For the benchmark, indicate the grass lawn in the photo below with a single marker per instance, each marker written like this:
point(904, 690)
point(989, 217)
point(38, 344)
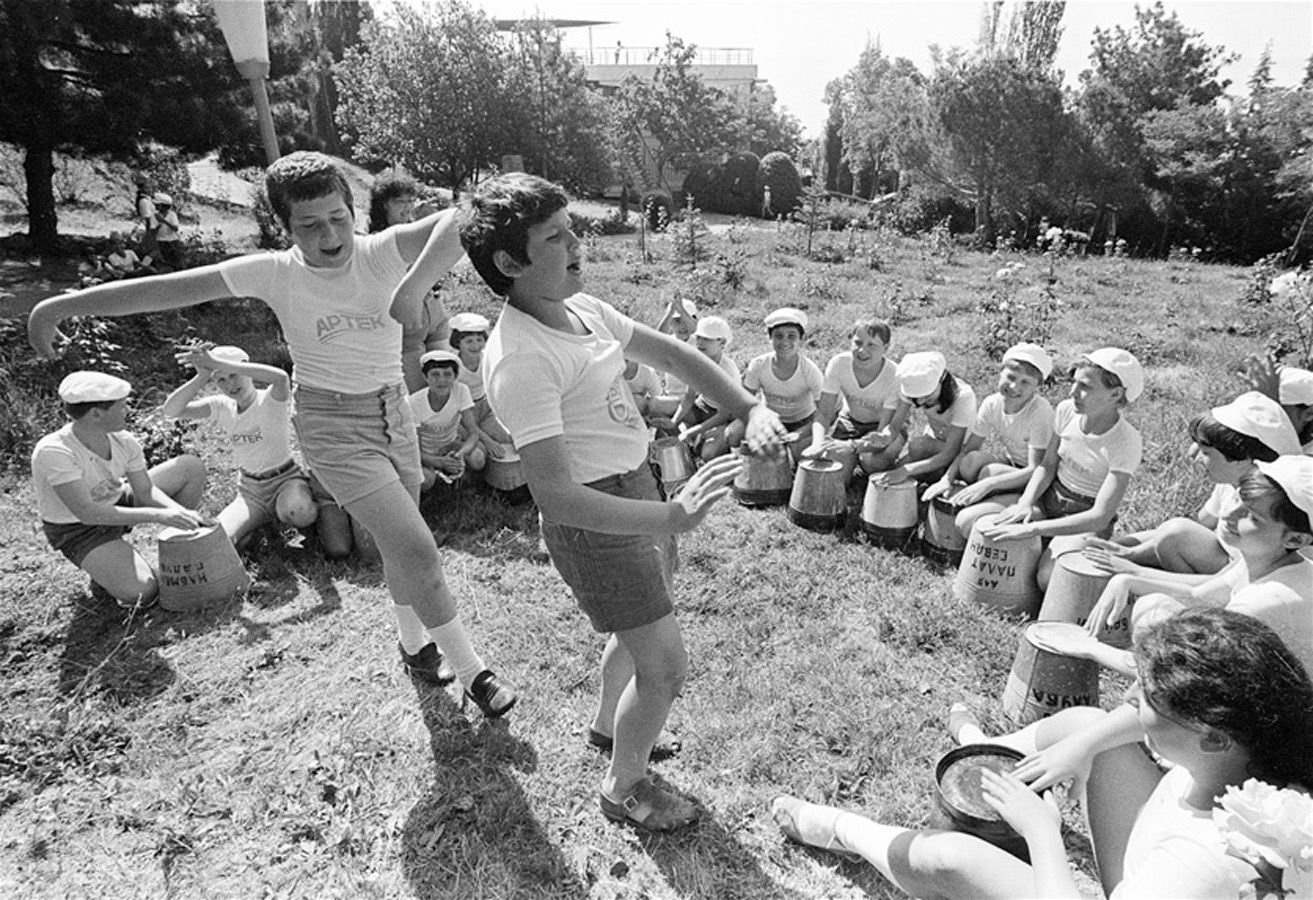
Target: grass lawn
point(272, 746)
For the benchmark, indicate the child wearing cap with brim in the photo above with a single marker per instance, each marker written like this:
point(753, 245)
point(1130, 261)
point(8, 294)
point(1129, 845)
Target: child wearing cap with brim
point(1290, 386)
point(949, 405)
point(449, 437)
point(859, 395)
point(271, 486)
point(644, 384)
point(788, 382)
point(698, 421)
point(679, 320)
point(1270, 579)
point(469, 335)
point(1019, 422)
point(1078, 486)
point(92, 486)
point(1228, 440)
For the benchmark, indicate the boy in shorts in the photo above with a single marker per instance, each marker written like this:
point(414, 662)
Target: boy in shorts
point(332, 294)
point(444, 417)
point(92, 486)
point(554, 368)
point(270, 485)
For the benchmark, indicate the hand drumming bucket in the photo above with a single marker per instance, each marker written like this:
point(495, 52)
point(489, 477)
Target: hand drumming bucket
point(1000, 574)
point(818, 499)
point(940, 538)
point(959, 800)
point(1043, 680)
point(764, 481)
point(504, 474)
point(1073, 590)
point(198, 567)
point(889, 513)
point(673, 460)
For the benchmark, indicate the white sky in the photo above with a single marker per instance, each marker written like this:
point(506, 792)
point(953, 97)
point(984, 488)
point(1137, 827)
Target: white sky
point(801, 45)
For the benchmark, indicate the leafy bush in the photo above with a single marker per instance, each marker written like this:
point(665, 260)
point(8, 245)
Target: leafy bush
point(272, 236)
point(656, 209)
point(601, 226)
point(920, 208)
point(738, 193)
point(778, 172)
point(165, 170)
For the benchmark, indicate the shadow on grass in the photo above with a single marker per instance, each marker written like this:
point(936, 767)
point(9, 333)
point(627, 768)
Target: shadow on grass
point(473, 832)
point(475, 519)
point(113, 651)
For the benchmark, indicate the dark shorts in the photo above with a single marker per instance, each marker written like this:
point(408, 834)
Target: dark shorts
point(76, 539)
point(1059, 500)
point(846, 429)
point(620, 581)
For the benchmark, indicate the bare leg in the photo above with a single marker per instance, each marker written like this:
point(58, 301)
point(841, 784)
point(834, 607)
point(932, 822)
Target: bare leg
point(966, 518)
point(334, 529)
point(1121, 780)
point(122, 571)
point(182, 479)
point(295, 505)
point(660, 665)
point(1184, 545)
point(238, 520)
point(617, 672)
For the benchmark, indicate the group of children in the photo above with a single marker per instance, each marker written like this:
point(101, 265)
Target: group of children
point(558, 366)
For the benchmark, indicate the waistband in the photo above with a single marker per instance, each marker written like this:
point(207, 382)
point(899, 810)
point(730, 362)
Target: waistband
point(612, 483)
point(270, 473)
point(313, 393)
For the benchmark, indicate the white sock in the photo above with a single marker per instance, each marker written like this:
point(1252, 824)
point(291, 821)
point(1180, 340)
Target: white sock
point(455, 645)
point(410, 629)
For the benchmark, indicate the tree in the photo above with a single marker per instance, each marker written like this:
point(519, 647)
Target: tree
point(884, 120)
point(677, 119)
point(429, 92)
point(101, 76)
point(762, 126)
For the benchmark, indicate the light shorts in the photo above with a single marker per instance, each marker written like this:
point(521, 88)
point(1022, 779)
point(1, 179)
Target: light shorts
point(77, 539)
point(261, 494)
point(358, 443)
point(620, 581)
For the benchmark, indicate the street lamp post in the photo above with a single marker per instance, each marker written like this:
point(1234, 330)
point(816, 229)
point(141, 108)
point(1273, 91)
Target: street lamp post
point(242, 23)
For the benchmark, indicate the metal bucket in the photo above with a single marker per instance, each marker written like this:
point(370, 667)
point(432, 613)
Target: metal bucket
point(198, 567)
point(504, 474)
point(940, 538)
point(1043, 681)
point(959, 803)
point(1000, 574)
point(889, 512)
point(764, 481)
point(818, 500)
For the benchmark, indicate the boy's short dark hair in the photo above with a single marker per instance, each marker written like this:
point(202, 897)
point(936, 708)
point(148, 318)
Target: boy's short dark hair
point(1255, 486)
point(458, 336)
point(1206, 431)
point(434, 363)
point(76, 411)
point(303, 175)
point(386, 189)
point(498, 216)
point(873, 328)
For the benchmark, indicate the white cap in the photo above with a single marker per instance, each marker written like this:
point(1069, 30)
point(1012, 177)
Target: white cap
point(1295, 475)
point(230, 354)
point(163, 198)
point(1033, 354)
point(469, 322)
point(93, 387)
point(686, 308)
point(1262, 418)
point(787, 315)
point(714, 327)
point(437, 356)
point(919, 373)
point(1122, 364)
point(1296, 387)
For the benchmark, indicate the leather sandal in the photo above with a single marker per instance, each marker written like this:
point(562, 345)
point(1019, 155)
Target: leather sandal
point(649, 807)
point(786, 811)
point(662, 749)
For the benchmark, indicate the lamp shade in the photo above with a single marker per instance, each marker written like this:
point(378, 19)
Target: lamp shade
point(242, 23)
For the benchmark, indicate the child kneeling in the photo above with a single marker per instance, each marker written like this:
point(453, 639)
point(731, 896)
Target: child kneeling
point(449, 438)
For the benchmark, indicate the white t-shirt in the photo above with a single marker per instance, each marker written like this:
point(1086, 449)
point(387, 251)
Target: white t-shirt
point(544, 383)
point(792, 399)
point(1019, 432)
point(338, 328)
point(60, 458)
point(962, 414)
point(730, 368)
point(1282, 600)
point(1220, 503)
point(260, 436)
point(645, 383)
point(1084, 460)
point(860, 404)
point(1175, 850)
point(438, 428)
point(473, 380)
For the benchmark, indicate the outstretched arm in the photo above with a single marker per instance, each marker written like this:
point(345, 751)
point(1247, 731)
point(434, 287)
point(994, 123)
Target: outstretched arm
point(432, 246)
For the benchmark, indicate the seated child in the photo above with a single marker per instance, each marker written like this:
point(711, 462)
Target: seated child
point(1077, 487)
point(271, 487)
point(1020, 421)
point(469, 335)
point(1270, 579)
point(680, 319)
point(859, 394)
point(92, 486)
point(122, 261)
point(1218, 696)
point(1228, 440)
point(644, 384)
point(444, 415)
point(698, 420)
point(785, 378)
point(949, 405)
point(1292, 388)
point(555, 363)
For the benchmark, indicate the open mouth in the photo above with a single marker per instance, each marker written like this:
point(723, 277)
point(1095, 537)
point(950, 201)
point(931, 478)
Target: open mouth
point(574, 268)
point(330, 253)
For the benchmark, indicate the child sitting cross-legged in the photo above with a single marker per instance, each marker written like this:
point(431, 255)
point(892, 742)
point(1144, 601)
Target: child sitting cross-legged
point(949, 405)
point(449, 437)
point(698, 420)
point(555, 373)
point(469, 335)
point(786, 379)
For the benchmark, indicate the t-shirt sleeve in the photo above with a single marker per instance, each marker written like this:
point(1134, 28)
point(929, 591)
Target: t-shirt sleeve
point(1041, 426)
point(526, 389)
point(464, 399)
point(1180, 866)
point(752, 377)
point(830, 381)
point(815, 380)
point(983, 425)
point(616, 322)
point(1125, 454)
point(251, 275)
point(963, 413)
point(134, 458)
point(56, 464)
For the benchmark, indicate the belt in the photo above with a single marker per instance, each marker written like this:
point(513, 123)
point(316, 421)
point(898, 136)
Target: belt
point(270, 473)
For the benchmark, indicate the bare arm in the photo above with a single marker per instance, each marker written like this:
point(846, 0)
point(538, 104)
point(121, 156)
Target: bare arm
point(181, 404)
point(77, 498)
point(432, 246)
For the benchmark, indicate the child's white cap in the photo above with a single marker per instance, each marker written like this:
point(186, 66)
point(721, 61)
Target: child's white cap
point(92, 387)
point(438, 356)
point(714, 327)
point(919, 373)
point(1294, 473)
point(1262, 418)
point(686, 308)
point(230, 354)
point(786, 315)
point(1122, 364)
point(468, 321)
point(162, 198)
point(1033, 354)
point(1296, 386)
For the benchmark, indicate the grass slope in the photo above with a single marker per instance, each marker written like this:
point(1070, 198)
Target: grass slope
point(272, 747)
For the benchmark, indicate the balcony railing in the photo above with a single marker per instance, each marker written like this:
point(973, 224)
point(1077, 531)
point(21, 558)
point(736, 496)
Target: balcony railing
point(649, 56)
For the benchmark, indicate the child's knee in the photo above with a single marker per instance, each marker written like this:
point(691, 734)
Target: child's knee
point(296, 507)
point(477, 459)
point(972, 463)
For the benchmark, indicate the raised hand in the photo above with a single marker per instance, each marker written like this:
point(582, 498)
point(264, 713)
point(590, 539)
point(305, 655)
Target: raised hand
point(708, 484)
